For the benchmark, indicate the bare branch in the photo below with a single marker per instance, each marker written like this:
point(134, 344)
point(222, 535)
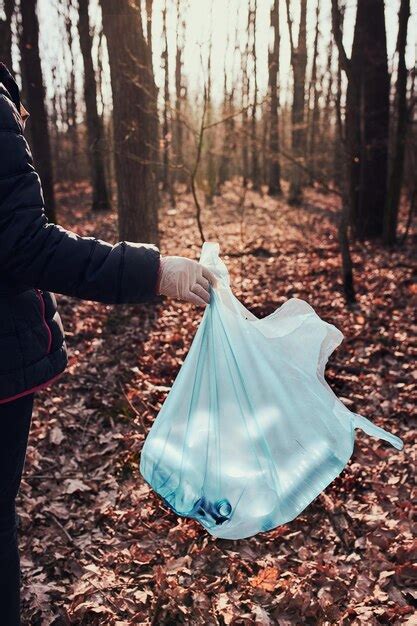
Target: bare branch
point(196, 166)
point(289, 20)
point(338, 37)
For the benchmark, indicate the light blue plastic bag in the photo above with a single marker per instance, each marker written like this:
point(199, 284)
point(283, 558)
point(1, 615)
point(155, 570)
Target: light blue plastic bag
point(250, 432)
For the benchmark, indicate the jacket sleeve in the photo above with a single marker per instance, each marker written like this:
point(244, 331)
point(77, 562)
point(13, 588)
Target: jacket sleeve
point(35, 253)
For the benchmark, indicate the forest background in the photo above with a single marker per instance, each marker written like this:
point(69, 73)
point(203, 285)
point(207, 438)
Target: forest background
point(285, 130)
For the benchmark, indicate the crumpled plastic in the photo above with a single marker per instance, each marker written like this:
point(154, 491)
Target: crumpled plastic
point(251, 432)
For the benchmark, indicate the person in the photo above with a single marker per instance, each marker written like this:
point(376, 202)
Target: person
point(37, 258)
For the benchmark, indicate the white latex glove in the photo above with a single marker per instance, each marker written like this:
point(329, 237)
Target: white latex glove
point(185, 279)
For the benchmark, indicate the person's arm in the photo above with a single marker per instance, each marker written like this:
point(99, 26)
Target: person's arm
point(35, 253)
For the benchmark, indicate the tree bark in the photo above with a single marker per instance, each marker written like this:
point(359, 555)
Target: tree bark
point(55, 118)
point(133, 120)
point(166, 135)
point(95, 133)
point(151, 87)
point(332, 90)
point(254, 141)
point(211, 165)
point(179, 45)
point(367, 116)
point(224, 159)
point(299, 66)
point(245, 104)
point(274, 184)
point(6, 34)
point(397, 167)
point(106, 124)
point(38, 122)
point(313, 103)
point(343, 230)
point(368, 217)
point(72, 98)
point(229, 142)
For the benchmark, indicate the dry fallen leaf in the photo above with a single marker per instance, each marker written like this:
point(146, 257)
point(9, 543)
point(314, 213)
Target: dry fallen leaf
point(266, 579)
point(72, 485)
point(56, 435)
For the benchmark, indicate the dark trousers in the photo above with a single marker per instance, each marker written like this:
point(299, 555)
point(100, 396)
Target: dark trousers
point(15, 418)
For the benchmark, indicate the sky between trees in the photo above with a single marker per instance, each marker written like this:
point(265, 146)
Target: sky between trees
point(216, 19)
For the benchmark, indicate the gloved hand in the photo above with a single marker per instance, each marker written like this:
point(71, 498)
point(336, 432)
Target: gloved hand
point(185, 279)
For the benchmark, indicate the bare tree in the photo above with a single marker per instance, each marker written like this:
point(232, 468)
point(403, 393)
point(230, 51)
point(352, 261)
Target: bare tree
point(299, 65)
point(224, 158)
point(95, 133)
point(71, 95)
point(179, 96)
point(254, 142)
point(313, 101)
point(340, 151)
point(152, 89)
point(39, 131)
point(6, 33)
point(228, 109)
point(274, 183)
point(133, 120)
point(367, 115)
point(211, 165)
point(166, 131)
point(341, 165)
point(332, 89)
point(149, 13)
point(106, 122)
point(245, 104)
point(401, 109)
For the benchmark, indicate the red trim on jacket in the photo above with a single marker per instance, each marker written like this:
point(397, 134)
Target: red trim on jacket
point(33, 390)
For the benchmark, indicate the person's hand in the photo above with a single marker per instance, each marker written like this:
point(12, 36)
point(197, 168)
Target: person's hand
point(185, 279)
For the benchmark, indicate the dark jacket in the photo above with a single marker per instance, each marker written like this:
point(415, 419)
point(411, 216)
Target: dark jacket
point(37, 257)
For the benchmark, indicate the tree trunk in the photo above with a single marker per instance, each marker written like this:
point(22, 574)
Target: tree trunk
point(326, 113)
point(265, 157)
point(72, 99)
point(369, 57)
point(149, 10)
point(6, 34)
point(274, 185)
point(133, 120)
point(166, 135)
point(179, 45)
point(152, 88)
point(38, 123)
point(55, 118)
point(340, 154)
point(245, 104)
point(254, 141)
point(95, 134)
point(367, 116)
point(397, 167)
point(313, 104)
point(106, 123)
point(223, 173)
point(229, 140)
point(343, 230)
point(211, 165)
point(299, 66)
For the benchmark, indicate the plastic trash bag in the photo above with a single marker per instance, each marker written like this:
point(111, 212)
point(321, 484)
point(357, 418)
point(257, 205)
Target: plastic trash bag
point(250, 432)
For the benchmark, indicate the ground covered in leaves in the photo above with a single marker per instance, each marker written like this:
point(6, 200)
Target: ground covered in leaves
point(99, 548)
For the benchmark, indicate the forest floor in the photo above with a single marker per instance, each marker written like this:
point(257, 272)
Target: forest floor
point(98, 547)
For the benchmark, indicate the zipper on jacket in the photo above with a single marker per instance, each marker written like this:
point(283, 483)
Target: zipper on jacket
point(45, 323)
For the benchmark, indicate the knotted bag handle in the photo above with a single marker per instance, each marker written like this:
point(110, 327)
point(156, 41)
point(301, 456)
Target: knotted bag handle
point(211, 259)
